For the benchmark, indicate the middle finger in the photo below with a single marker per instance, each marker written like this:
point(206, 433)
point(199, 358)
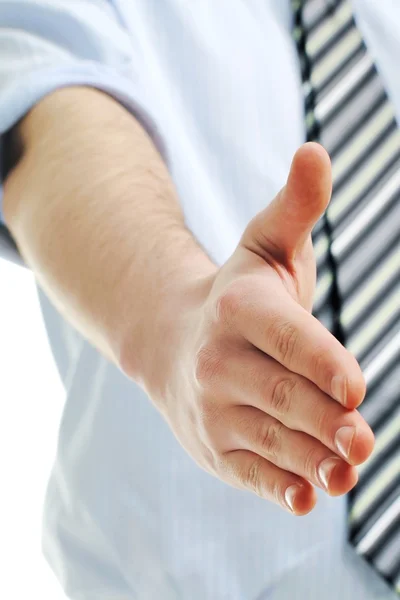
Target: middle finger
point(290, 450)
point(258, 380)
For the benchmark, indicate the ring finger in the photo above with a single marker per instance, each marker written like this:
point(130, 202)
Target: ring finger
point(290, 450)
point(258, 380)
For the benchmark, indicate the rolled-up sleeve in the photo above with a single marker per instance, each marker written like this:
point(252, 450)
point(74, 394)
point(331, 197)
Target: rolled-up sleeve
point(49, 44)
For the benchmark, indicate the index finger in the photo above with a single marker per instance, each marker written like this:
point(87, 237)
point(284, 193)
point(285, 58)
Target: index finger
point(288, 333)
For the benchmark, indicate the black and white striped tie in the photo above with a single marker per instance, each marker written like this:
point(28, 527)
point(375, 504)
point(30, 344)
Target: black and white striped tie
point(357, 244)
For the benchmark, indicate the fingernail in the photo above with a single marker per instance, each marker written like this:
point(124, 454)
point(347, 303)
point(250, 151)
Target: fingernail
point(344, 440)
point(290, 495)
point(326, 469)
point(339, 389)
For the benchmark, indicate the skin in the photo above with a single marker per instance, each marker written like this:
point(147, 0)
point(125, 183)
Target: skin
point(252, 385)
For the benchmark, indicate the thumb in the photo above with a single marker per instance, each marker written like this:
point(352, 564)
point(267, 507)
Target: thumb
point(282, 229)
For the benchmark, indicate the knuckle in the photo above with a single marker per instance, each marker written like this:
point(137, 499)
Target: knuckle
point(208, 365)
point(228, 304)
point(276, 492)
point(270, 439)
point(208, 420)
point(322, 361)
point(311, 460)
point(286, 342)
point(207, 425)
point(252, 478)
point(281, 396)
point(323, 422)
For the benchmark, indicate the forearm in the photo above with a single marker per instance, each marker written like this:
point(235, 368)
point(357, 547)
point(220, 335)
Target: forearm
point(94, 213)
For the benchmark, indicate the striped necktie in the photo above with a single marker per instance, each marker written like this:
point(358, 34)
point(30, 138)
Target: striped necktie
point(357, 245)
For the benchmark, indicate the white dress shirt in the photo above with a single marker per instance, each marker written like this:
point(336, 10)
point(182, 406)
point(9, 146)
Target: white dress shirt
point(128, 514)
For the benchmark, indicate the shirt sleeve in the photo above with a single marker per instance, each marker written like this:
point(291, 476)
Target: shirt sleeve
point(49, 44)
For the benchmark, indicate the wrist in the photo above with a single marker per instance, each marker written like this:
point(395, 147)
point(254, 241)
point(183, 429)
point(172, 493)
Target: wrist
point(147, 351)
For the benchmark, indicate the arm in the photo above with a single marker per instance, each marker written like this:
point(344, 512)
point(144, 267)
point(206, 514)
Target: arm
point(93, 210)
point(241, 371)
point(46, 46)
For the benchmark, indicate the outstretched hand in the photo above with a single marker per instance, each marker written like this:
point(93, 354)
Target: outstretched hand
point(258, 392)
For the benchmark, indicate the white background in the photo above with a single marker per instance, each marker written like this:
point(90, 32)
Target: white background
point(31, 400)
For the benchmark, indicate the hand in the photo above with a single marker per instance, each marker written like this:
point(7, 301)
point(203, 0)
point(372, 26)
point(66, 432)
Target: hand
point(256, 390)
